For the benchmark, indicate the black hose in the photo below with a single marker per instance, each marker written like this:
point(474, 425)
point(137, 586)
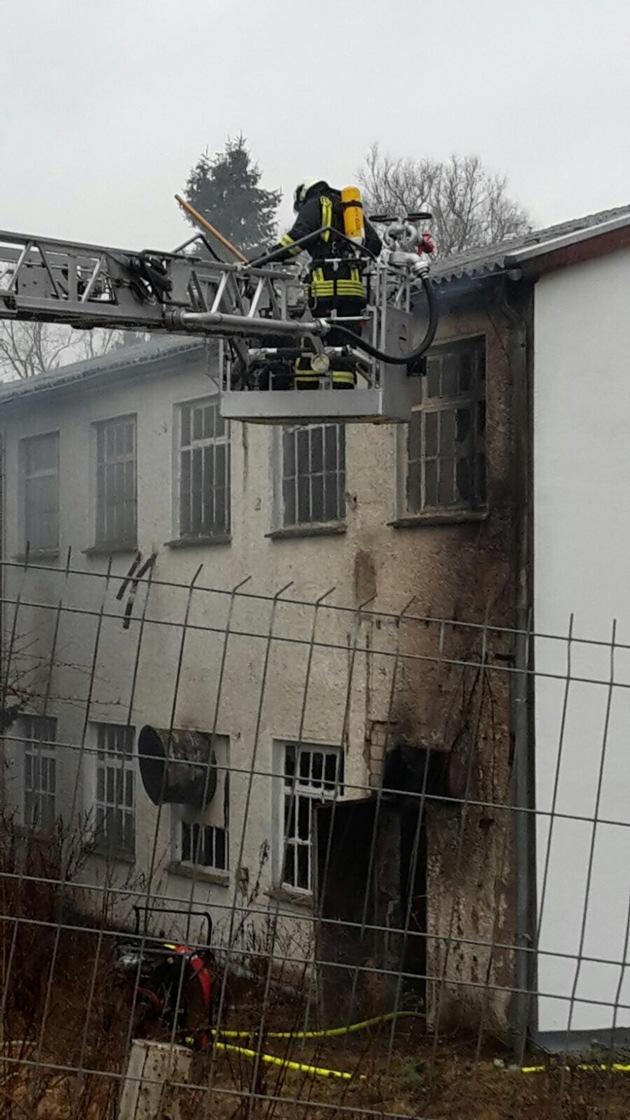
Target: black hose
point(213, 253)
point(390, 359)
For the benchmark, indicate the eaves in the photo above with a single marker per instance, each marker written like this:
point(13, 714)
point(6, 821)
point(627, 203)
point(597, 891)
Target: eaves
point(95, 378)
point(572, 248)
point(485, 288)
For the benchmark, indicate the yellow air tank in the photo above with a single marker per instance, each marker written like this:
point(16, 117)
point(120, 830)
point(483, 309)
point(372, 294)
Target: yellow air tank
point(353, 224)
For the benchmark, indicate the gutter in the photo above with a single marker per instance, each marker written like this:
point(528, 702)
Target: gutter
point(499, 263)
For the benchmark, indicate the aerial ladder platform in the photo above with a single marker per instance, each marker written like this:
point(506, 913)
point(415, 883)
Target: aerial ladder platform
point(258, 313)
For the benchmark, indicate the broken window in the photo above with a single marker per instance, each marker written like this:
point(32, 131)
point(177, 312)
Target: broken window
point(446, 462)
point(114, 807)
point(116, 499)
point(204, 845)
point(313, 474)
point(310, 775)
point(204, 480)
point(39, 469)
point(38, 736)
point(201, 839)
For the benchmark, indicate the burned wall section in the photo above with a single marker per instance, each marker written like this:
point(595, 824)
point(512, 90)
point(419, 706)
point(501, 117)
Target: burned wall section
point(452, 695)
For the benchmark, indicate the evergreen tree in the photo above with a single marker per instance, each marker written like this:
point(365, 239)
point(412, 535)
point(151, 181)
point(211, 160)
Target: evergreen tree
point(226, 191)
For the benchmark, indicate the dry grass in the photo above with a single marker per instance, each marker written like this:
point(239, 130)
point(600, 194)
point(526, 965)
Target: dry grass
point(451, 1088)
point(60, 995)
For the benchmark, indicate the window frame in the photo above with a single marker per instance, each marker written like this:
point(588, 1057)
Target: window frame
point(101, 845)
point(215, 816)
point(46, 751)
point(296, 524)
point(103, 541)
point(24, 477)
point(214, 832)
point(222, 533)
point(288, 796)
point(474, 400)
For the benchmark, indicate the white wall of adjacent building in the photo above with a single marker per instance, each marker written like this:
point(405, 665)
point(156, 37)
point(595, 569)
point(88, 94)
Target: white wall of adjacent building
point(581, 587)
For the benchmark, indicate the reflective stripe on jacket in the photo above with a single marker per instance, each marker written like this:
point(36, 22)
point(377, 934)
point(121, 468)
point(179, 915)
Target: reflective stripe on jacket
point(287, 243)
point(343, 280)
point(306, 378)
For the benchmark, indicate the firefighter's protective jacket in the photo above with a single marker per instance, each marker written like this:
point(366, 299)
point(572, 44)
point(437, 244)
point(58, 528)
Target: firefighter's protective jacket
point(328, 280)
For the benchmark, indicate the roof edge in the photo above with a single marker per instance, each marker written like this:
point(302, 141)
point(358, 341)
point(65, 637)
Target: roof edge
point(81, 373)
point(544, 248)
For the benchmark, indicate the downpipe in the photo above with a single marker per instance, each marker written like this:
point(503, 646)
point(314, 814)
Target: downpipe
point(524, 1005)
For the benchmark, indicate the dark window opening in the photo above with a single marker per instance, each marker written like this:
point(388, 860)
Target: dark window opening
point(446, 466)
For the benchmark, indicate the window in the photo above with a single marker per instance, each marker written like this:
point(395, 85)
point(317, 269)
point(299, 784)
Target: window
point(115, 826)
point(203, 845)
point(313, 474)
point(39, 463)
point(204, 486)
point(38, 736)
point(446, 464)
point(116, 483)
point(202, 839)
point(310, 774)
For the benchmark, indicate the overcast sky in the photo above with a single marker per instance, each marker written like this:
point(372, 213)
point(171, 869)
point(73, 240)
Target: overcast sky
point(106, 104)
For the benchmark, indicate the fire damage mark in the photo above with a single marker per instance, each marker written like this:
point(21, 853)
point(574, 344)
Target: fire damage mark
point(371, 887)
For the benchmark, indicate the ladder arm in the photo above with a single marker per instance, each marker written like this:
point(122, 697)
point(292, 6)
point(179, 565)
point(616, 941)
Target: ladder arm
point(85, 286)
point(261, 310)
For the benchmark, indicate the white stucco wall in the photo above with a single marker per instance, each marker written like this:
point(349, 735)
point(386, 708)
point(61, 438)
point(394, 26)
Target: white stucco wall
point(269, 692)
point(582, 551)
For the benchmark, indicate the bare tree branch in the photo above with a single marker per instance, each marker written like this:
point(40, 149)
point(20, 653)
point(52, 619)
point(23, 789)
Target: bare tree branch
point(29, 349)
point(470, 205)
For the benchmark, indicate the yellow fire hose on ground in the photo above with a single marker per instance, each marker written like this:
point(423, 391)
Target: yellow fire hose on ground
point(331, 1032)
point(303, 1067)
point(352, 1028)
point(599, 1067)
point(297, 1067)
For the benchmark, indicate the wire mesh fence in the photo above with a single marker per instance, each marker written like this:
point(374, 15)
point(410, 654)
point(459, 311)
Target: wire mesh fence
point(322, 860)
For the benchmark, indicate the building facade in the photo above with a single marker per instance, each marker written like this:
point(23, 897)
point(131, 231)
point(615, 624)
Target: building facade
point(339, 617)
point(130, 455)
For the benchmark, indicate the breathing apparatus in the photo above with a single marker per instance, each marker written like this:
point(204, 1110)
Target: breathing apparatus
point(353, 221)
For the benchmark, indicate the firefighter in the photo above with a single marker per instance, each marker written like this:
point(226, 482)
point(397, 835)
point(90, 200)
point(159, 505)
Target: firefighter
point(335, 279)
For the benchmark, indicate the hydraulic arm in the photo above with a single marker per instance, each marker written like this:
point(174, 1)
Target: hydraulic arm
point(260, 313)
point(93, 286)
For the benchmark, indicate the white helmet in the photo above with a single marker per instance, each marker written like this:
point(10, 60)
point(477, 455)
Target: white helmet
point(302, 190)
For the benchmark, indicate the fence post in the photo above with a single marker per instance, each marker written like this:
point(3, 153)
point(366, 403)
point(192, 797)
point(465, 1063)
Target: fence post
point(151, 1069)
